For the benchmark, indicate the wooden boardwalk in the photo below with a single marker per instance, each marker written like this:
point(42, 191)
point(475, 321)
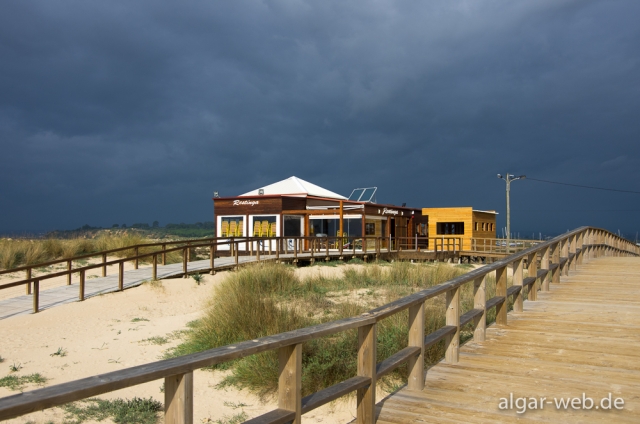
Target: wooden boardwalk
point(583, 336)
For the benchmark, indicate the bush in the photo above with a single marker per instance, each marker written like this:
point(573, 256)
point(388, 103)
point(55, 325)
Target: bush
point(267, 299)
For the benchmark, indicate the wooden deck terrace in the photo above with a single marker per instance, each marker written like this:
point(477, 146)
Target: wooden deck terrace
point(575, 338)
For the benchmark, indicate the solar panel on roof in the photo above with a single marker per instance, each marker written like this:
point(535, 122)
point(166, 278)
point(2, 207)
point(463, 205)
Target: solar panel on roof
point(366, 195)
point(355, 194)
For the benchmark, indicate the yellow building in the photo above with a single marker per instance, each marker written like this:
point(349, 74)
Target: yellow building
point(462, 221)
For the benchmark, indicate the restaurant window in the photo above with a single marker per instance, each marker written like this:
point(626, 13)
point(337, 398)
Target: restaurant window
point(264, 226)
point(369, 229)
point(231, 226)
point(444, 228)
point(476, 226)
point(484, 227)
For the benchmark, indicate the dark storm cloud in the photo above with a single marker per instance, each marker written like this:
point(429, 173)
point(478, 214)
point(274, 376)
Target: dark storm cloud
point(134, 111)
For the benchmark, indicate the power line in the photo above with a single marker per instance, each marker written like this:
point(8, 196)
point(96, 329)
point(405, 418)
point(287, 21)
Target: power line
point(583, 186)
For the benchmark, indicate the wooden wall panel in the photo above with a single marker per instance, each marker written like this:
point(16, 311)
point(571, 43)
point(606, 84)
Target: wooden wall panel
point(248, 206)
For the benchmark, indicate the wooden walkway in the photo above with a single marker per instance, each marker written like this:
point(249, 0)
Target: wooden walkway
point(583, 336)
point(57, 296)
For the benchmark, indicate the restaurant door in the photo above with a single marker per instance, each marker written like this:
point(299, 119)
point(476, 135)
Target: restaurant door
point(293, 227)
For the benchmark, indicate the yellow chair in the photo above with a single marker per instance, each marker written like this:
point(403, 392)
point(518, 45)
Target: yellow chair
point(232, 228)
point(272, 229)
point(264, 231)
point(239, 228)
point(256, 229)
point(225, 229)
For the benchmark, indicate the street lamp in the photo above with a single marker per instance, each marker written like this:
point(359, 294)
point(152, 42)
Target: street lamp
point(508, 178)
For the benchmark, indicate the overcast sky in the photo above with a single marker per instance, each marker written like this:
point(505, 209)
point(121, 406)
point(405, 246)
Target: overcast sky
point(135, 111)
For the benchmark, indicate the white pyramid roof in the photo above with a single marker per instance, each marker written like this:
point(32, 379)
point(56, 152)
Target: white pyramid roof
point(295, 186)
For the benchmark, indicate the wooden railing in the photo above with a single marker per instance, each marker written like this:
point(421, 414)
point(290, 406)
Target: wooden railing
point(314, 247)
point(497, 245)
point(545, 263)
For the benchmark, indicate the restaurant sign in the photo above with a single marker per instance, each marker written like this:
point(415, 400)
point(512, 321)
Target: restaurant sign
point(245, 202)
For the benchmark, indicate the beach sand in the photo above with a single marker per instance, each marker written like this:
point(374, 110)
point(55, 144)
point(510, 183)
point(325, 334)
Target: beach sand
point(112, 331)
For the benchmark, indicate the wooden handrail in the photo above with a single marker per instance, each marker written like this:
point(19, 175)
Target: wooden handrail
point(177, 372)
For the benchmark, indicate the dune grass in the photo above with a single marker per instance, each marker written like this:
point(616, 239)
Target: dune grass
point(268, 298)
point(15, 253)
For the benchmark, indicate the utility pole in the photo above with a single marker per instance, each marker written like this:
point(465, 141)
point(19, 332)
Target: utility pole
point(508, 178)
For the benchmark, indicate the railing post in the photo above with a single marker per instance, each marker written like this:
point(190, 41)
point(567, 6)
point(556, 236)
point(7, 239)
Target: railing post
point(212, 255)
point(572, 250)
point(517, 281)
point(28, 277)
point(544, 264)
point(154, 276)
point(501, 290)
point(366, 396)
point(178, 399)
point(556, 260)
point(121, 275)
point(258, 252)
point(36, 296)
point(164, 254)
point(416, 338)
point(81, 295)
point(532, 271)
point(104, 267)
point(237, 245)
point(480, 302)
point(452, 341)
point(184, 262)
point(135, 262)
point(290, 380)
point(278, 245)
point(69, 266)
point(188, 251)
point(565, 254)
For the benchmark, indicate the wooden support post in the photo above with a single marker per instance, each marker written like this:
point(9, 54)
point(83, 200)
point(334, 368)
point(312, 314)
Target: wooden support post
point(501, 290)
point(121, 275)
point(278, 245)
point(565, 253)
point(164, 254)
point(81, 295)
point(290, 380)
point(184, 262)
point(135, 262)
point(366, 396)
point(104, 267)
point(532, 271)
point(258, 251)
point(188, 251)
point(69, 266)
point(154, 275)
point(544, 264)
point(416, 338)
point(36, 296)
point(480, 302)
point(452, 341)
point(212, 255)
point(517, 281)
point(236, 256)
point(28, 277)
point(572, 250)
point(178, 399)
point(556, 260)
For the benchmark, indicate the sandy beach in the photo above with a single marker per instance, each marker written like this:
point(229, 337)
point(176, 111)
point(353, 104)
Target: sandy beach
point(119, 330)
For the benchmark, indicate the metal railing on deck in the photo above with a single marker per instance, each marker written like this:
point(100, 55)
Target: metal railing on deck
point(545, 263)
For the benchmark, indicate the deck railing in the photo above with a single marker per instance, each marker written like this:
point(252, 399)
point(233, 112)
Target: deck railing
point(545, 263)
point(156, 253)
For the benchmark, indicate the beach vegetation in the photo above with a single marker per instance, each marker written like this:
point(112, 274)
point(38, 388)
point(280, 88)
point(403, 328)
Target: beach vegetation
point(266, 299)
point(120, 411)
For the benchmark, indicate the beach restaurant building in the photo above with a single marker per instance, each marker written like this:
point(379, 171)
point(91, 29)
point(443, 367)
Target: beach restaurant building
point(294, 207)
